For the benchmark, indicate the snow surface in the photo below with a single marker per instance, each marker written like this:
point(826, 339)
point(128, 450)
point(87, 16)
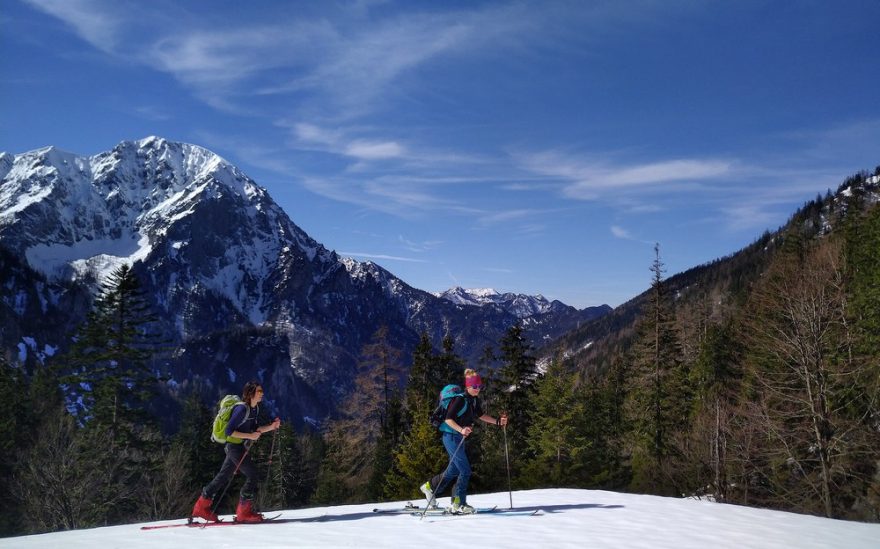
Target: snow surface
point(569, 518)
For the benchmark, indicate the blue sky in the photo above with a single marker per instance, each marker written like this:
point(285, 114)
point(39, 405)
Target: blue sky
point(532, 146)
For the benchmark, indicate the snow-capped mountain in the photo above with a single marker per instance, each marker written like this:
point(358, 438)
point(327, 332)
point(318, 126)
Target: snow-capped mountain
point(550, 319)
point(520, 305)
point(241, 290)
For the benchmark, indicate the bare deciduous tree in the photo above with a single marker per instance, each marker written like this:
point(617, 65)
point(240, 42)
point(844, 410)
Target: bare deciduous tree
point(809, 406)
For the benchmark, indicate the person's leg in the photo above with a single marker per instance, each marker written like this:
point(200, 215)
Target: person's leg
point(462, 465)
point(233, 455)
point(249, 469)
point(454, 447)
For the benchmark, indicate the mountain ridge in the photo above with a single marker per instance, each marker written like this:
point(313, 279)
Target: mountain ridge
point(234, 279)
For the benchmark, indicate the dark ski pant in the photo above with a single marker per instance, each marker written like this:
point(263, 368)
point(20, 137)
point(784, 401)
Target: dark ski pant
point(234, 453)
point(459, 468)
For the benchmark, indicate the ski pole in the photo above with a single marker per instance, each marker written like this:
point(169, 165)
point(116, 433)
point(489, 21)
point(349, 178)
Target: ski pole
point(265, 487)
point(442, 477)
point(507, 460)
point(272, 448)
point(247, 448)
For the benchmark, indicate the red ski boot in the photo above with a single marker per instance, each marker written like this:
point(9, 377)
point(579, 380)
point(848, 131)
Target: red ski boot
point(245, 512)
point(202, 509)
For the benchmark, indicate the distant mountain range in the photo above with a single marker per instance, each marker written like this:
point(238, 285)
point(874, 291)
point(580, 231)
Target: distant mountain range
point(240, 289)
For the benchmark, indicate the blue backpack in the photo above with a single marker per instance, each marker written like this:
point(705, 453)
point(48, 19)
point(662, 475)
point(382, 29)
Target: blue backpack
point(438, 416)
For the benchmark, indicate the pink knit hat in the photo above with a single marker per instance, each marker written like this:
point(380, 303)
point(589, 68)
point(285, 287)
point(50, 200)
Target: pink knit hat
point(473, 381)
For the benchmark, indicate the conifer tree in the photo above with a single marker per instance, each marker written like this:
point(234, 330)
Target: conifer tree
point(715, 378)
point(110, 364)
point(450, 367)
point(419, 457)
point(601, 429)
point(422, 385)
point(285, 471)
point(203, 455)
point(420, 454)
point(14, 431)
point(111, 354)
point(555, 441)
point(342, 467)
point(516, 380)
point(656, 406)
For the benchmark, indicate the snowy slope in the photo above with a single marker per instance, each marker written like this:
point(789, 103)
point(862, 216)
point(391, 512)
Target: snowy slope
point(570, 518)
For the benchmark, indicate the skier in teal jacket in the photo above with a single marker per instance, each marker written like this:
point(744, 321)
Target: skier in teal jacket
point(456, 428)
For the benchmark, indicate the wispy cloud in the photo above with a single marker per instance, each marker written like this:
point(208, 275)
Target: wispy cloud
point(624, 234)
point(424, 246)
point(737, 194)
point(620, 232)
point(591, 180)
point(88, 18)
point(335, 67)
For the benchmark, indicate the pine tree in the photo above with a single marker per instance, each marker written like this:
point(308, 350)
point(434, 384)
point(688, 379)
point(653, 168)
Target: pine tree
point(554, 438)
point(14, 435)
point(285, 468)
point(656, 402)
point(111, 354)
point(420, 454)
point(450, 367)
point(203, 455)
point(516, 387)
point(715, 377)
point(341, 470)
point(110, 364)
point(419, 457)
point(377, 386)
point(422, 386)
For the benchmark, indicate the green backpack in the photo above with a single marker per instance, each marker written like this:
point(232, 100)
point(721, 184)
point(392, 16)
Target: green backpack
point(221, 420)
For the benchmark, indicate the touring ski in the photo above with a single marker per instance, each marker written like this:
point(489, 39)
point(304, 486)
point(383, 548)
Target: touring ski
point(436, 510)
point(193, 524)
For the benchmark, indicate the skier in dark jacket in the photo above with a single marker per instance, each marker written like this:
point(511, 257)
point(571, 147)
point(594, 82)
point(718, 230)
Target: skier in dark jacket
point(455, 429)
point(242, 427)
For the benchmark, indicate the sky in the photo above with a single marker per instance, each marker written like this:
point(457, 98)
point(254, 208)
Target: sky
point(568, 518)
point(537, 147)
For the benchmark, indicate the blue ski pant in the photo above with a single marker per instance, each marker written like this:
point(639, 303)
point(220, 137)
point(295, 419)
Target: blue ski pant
point(459, 468)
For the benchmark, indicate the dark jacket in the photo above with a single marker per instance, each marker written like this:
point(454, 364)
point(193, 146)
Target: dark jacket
point(243, 419)
point(473, 409)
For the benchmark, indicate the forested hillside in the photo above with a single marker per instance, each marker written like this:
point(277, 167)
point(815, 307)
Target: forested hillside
point(754, 379)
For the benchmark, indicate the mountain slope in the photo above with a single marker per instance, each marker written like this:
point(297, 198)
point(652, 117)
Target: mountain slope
point(241, 290)
point(718, 287)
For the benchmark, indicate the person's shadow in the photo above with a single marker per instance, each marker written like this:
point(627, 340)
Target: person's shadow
point(545, 508)
point(564, 507)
